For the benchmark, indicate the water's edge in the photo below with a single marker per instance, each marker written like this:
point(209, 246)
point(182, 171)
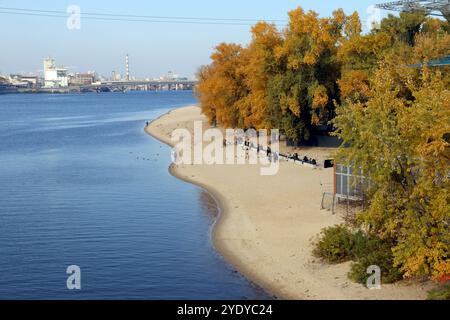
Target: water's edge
point(228, 257)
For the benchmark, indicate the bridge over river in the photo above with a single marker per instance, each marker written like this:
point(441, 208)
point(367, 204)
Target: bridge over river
point(116, 86)
point(137, 85)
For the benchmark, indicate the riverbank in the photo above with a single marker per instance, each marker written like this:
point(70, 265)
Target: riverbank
point(267, 223)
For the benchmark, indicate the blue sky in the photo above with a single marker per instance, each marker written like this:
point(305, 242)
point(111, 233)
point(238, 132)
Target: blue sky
point(154, 48)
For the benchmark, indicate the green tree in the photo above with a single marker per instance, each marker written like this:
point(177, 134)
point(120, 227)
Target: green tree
point(405, 27)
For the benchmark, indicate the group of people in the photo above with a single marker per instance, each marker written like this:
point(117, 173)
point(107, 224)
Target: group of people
point(272, 156)
point(305, 159)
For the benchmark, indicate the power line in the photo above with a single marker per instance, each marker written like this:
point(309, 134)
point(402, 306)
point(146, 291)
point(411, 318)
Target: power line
point(135, 18)
point(140, 18)
point(127, 20)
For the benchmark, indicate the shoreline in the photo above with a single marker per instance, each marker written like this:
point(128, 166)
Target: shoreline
point(222, 211)
point(228, 257)
point(277, 259)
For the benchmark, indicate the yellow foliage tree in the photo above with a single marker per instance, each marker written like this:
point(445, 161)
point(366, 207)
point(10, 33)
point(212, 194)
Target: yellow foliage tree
point(259, 67)
point(401, 142)
point(221, 86)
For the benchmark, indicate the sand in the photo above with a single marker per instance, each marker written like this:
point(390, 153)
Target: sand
point(266, 223)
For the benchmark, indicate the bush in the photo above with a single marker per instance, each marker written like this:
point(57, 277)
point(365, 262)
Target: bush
point(440, 294)
point(334, 244)
point(368, 251)
point(360, 245)
point(339, 244)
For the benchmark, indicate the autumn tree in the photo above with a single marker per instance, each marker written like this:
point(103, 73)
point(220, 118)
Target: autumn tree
point(301, 93)
point(402, 145)
point(221, 85)
point(260, 65)
point(394, 122)
point(359, 56)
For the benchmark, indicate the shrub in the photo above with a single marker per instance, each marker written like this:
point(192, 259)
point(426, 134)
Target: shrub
point(339, 244)
point(334, 244)
point(360, 245)
point(368, 251)
point(440, 294)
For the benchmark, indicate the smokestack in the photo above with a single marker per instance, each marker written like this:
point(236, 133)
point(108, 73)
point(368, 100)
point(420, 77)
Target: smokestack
point(127, 68)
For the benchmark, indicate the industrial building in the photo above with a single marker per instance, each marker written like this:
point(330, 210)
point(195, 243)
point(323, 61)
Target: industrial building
point(54, 77)
point(82, 79)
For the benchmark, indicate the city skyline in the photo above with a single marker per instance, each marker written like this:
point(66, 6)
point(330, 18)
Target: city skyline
point(121, 73)
point(55, 78)
point(101, 45)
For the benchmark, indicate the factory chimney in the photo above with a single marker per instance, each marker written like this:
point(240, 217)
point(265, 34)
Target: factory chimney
point(127, 68)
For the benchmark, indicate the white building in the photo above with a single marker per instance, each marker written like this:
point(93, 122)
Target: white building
point(54, 77)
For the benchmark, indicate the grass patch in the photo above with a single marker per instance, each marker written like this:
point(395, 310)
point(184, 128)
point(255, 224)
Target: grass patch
point(440, 294)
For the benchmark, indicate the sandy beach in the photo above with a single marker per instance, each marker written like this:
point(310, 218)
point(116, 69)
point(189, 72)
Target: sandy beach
point(267, 223)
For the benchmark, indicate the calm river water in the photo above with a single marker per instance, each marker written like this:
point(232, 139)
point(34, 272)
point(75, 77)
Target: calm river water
point(82, 184)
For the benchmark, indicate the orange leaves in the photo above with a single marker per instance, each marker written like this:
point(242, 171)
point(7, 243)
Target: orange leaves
point(431, 46)
point(259, 65)
point(320, 100)
point(265, 34)
point(293, 105)
point(354, 85)
point(298, 20)
point(308, 37)
point(353, 26)
point(308, 43)
point(225, 52)
point(443, 271)
point(320, 97)
point(232, 90)
point(221, 85)
point(309, 59)
point(339, 17)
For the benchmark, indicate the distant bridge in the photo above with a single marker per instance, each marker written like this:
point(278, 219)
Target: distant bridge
point(137, 84)
point(111, 86)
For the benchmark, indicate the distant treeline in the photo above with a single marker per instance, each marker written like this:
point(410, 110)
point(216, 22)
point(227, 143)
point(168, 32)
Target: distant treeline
point(393, 118)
